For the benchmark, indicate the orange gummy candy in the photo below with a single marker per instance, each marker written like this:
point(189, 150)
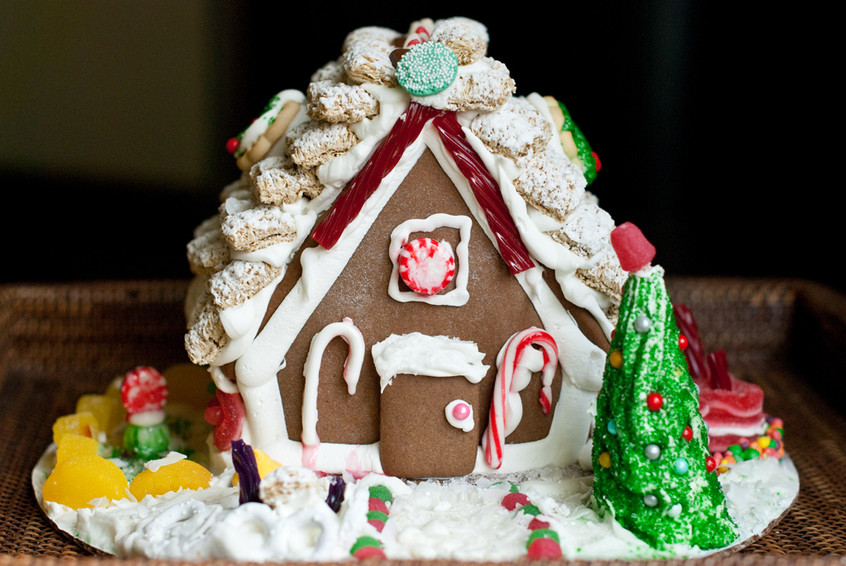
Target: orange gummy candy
point(74, 445)
point(83, 424)
point(183, 474)
point(80, 478)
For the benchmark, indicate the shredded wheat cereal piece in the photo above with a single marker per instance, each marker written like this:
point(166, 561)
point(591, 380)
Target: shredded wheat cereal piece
point(514, 130)
point(480, 87)
point(313, 143)
point(586, 230)
point(606, 276)
point(338, 102)
point(467, 38)
point(251, 228)
point(331, 71)
point(550, 183)
point(240, 281)
point(206, 335)
point(208, 251)
point(371, 35)
point(277, 180)
point(366, 57)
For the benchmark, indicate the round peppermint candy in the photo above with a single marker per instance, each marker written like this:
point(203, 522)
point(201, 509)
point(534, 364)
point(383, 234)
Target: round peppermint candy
point(426, 266)
point(427, 68)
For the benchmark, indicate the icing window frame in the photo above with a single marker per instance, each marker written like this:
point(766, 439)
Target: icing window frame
point(456, 297)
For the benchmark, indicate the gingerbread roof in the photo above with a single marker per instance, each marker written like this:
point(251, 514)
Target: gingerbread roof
point(310, 156)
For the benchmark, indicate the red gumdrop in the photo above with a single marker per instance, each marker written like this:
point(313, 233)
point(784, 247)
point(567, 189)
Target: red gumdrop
point(514, 500)
point(633, 249)
point(544, 548)
point(369, 552)
point(229, 426)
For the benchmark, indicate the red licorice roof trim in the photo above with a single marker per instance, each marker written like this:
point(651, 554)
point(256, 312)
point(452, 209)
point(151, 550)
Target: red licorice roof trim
point(485, 188)
point(487, 193)
point(349, 204)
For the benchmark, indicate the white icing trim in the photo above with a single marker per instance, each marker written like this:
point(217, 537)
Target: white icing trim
point(352, 369)
point(421, 354)
point(459, 295)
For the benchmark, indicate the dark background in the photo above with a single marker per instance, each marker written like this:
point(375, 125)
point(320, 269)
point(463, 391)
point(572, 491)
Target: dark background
point(717, 123)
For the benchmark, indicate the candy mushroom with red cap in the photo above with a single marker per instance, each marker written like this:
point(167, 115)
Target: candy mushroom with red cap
point(144, 394)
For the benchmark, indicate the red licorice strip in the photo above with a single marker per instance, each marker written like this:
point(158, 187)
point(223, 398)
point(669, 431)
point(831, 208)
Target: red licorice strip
point(349, 204)
point(718, 367)
point(487, 193)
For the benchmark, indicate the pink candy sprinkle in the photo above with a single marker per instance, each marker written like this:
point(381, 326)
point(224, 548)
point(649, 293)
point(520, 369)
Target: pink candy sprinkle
point(461, 411)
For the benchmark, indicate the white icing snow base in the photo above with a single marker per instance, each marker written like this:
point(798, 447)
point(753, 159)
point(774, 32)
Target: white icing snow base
point(458, 519)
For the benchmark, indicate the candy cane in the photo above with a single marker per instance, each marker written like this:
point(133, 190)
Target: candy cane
point(352, 368)
point(510, 363)
point(418, 32)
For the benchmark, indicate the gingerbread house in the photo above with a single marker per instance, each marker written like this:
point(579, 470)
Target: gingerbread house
point(410, 275)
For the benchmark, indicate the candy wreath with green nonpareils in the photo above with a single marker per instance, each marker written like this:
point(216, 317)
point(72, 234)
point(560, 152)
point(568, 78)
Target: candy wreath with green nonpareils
point(427, 68)
point(653, 470)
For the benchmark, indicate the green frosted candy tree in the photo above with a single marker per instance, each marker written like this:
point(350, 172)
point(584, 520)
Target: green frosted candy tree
point(651, 462)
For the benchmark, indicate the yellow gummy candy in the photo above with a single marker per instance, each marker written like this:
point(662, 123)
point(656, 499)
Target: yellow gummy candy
point(83, 424)
point(74, 445)
point(113, 389)
point(264, 463)
point(81, 478)
point(183, 474)
point(108, 410)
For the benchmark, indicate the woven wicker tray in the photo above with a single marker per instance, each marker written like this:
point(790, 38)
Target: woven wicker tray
point(60, 341)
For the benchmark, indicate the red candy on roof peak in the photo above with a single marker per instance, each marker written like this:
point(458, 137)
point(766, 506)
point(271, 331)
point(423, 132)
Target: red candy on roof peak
point(633, 249)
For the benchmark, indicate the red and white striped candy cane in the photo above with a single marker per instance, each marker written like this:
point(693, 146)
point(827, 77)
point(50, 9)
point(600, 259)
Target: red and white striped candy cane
point(418, 32)
point(512, 356)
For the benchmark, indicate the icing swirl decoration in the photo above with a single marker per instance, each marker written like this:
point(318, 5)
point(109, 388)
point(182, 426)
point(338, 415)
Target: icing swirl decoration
point(427, 68)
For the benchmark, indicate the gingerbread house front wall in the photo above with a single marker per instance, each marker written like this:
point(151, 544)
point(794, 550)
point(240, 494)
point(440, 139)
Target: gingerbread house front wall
point(497, 305)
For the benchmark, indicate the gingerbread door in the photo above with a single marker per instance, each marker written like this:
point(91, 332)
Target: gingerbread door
point(430, 419)
point(417, 438)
